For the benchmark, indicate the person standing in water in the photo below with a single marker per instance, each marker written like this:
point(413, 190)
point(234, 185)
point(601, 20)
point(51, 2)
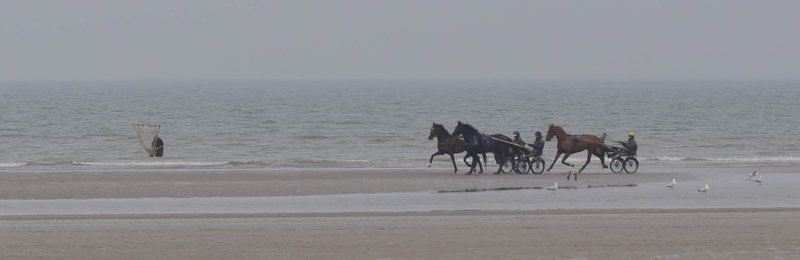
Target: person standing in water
point(158, 147)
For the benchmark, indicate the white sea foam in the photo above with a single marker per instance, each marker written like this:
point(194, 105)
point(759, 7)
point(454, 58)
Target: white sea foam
point(151, 164)
point(8, 165)
point(777, 159)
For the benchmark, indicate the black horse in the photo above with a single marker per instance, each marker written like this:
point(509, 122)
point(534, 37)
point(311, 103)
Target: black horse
point(478, 143)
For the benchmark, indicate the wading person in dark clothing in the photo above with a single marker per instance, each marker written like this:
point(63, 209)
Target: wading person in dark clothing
point(158, 146)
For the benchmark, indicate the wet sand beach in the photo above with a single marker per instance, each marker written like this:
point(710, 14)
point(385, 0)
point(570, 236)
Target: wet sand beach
point(395, 214)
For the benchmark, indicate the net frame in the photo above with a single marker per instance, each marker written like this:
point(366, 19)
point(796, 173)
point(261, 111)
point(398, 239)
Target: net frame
point(147, 145)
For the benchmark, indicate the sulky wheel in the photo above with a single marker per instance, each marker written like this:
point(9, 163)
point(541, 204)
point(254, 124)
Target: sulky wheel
point(617, 165)
point(508, 164)
point(523, 165)
point(631, 165)
point(537, 166)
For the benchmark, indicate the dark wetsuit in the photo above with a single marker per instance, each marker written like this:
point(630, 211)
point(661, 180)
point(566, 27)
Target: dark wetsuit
point(518, 140)
point(160, 151)
point(537, 146)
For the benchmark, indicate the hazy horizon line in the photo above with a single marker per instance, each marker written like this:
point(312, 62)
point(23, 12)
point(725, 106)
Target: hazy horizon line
point(367, 79)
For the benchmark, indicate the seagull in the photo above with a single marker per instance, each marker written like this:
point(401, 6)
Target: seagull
point(752, 174)
point(554, 187)
point(758, 179)
point(671, 185)
point(704, 189)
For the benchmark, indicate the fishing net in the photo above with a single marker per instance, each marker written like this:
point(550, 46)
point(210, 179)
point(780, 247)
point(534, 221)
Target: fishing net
point(147, 136)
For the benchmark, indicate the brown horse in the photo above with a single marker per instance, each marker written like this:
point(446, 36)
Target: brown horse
point(569, 144)
point(447, 144)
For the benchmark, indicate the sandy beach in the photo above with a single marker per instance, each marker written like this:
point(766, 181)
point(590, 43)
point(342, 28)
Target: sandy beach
point(506, 216)
point(217, 130)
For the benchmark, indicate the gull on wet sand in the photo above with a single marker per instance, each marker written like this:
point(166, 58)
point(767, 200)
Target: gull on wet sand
point(554, 187)
point(758, 179)
point(704, 189)
point(671, 185)
point(752, 174)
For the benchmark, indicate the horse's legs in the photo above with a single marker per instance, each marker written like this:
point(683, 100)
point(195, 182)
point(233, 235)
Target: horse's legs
point(478, 161)
point(455, 168)
point(484, 161)
point(588, 159)
point(558, 154)
point(500, 159)
point(564, 160)
point(475, 162)
point(602, 160)
point(504, 158)
point(472, 166)
point(509, 157)
point(432, 155)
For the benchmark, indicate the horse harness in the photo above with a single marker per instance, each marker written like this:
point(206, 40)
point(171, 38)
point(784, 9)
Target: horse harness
point(575, 141)
point(480, 140)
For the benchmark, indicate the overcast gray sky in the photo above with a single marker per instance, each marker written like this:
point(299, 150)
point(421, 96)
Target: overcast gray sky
point(197, 39)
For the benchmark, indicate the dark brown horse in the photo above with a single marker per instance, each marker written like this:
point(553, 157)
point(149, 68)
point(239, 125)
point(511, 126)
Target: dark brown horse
point(447, 144)
point(569, 144)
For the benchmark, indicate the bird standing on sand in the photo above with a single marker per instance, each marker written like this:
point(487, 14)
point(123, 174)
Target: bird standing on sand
point(554, 187)
point(671, 185)
point(704, 189)
point(752, 174)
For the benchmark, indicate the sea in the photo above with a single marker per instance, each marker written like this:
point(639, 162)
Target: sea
point(384, 124)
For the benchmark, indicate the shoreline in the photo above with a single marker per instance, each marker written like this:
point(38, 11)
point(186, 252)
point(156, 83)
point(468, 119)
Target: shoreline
point(185, 183)
point(395, 214)
point(437, 213)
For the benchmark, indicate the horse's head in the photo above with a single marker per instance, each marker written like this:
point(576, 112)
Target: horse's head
point(465, 130)
point(459, 129)
point(551, 131)
point(434, 131)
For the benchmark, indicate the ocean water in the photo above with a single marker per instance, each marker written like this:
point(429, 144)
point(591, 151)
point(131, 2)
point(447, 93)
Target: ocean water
point(385, 123)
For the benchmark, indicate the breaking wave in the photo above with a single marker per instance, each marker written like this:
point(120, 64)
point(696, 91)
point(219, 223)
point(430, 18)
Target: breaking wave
point(9, 165)
point(253, 163)
point(329, 163)
point(170, 164)
point(762, 159)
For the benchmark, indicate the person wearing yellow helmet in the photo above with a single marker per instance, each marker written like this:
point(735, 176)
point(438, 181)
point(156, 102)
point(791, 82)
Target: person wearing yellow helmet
point(631, 144)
